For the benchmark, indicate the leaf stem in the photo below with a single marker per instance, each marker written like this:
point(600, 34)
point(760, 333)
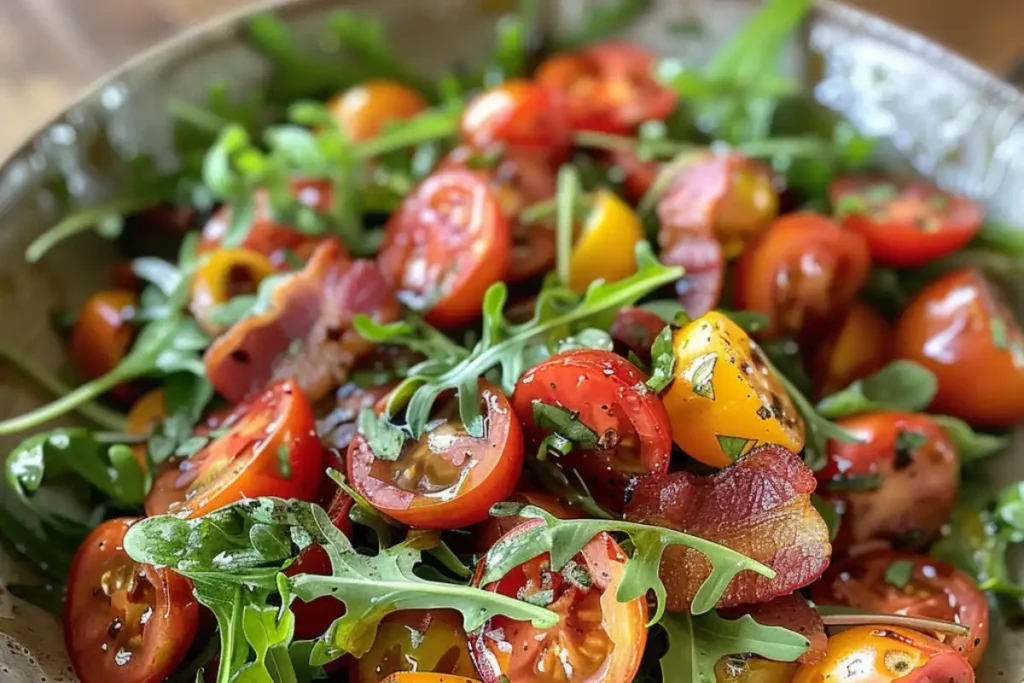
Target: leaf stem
point(73, 400)
point(85, 219)
point(568, 188)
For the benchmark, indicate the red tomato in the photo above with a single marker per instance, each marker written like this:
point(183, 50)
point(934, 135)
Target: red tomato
point(637, 175)
point(905, 226)
point(604, 394)
point(447, 243)
point(447, 479)
point(125, 622)
point(935, 590)
point(270, 448)
point(635, 329)
point(519, 115)
point(610, 87)
point(803, 273)
point(597, 640)
point(886, 654)
point(857, 347)
point(897, 486)
point(103, 332)
point(312, 619)
point(365, 110)
point(960, 328)
point(416, 640)
point(704, 261)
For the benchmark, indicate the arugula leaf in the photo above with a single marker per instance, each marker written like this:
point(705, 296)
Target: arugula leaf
point(565, 424)
point(901, 385)
point(1010, 507)
point(269, 634)
point(696, 643)
point(562, 539)
point(971, 446)
point(899, 573)
point(663, 361)
point(384, 438)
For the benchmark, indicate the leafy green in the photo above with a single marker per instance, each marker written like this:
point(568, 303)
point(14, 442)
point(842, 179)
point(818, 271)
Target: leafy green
point(855, 482)
point(901, 385)
point(749, 321)
point(562, 539)
point(697, 642)
point(565, 424)
point(971, 446)
point(663, 361)
point(383, 438)
point(899, 573)
point(568, 190)
point(604, 20)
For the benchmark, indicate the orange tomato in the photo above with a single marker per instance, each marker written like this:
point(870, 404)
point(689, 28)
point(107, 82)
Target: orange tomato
point(103, 332)
point(860, 345)
point(416, 640)
point(365, 110)
point(224, 274)
point(729, 670)
point(145, 414)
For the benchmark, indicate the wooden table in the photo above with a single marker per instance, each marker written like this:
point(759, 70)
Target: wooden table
point(50, 49)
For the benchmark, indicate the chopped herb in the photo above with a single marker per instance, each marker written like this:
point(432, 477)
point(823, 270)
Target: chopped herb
point(734, 446)
point(899, 573)
point(855, 482)
point(564, 423)
point(700, 373)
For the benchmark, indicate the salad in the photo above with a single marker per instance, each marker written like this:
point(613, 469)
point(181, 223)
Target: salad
point(579, 365)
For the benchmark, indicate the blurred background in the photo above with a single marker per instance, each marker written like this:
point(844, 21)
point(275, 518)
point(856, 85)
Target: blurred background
point(50, 49)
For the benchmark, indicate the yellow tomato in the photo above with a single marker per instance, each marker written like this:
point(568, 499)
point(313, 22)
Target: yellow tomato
point(605, 250)
point(365, 110)
point(748, 206)
point(143, 416)
point(223, 275)
point(724, 399)
point(753, 671)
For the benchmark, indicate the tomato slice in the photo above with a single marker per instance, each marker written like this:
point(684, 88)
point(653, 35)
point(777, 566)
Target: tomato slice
point(859, 345)
point(924, 588)
point(606, 396)
point(269, 448)
point(597, 639)
point(447, 479)
point(125, 622)
point(803, 273)
point(519, 115)
point(416, 640)
point(363, 111)
point(447, 243)
point(610, 87)
point(905, 226)
point(103, 332)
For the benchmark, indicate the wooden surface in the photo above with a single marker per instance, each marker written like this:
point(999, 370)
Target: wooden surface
point(50, 49)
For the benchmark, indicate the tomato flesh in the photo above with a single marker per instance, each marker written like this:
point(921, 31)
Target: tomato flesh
point(416, 640)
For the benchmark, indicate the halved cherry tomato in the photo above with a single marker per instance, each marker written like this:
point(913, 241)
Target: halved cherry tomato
point(125, 622)
point(490, 531)
point(520, 115)
point(605, 248)
point(103, 332)
point(269, 448)
point(447, 479)
point(426, 677)
point(803, 273)
point(753, 670)
point(905, 226)
point(960, 328)
point(886, 654)
point(222, 275)
point(605, 397)
point(363, 111)
point(278, 242)
point(897, 486)
point(416, 640)
point(635, 329)
point(447, 243)
point(859, 345)
point(144, 415)
point(923, 588)
point(724, 399)
point(597, 640)
point(610, 87)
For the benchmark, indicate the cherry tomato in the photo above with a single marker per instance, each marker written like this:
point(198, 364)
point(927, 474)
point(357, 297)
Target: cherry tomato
point(222, 275)
point(897, 486)
point(605, 248)
point(857, 347)
point(724, 399)
point(520, 115)
point(597, 640)
point(635, 329)
point(637, 175)
point(703, 260)
point(125, 622)
point(490, 531)
point(624, 429)
point(447, 243)
point(960, 328)
point(753, 670)
point(269, 448)
point(365, 110)
point(282, 244)
point(886, 654)
point(610, 87)
point(145, 414)
point(905, 226)
point(103, 332)
point(803, 273)
point(923, 588)
point(447, 479)
point(416, 640)
point(426, 677)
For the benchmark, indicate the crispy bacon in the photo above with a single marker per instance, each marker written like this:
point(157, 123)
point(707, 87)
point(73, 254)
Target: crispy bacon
point(759, 506)
point(307, 331)
point(792, 612)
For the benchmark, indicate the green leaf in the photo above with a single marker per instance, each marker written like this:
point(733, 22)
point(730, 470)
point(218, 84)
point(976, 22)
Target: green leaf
point(384, 439)
point(562, 539)
point(696, 643)
point(901, 385)
point(669, 310)
point(565, 424)
point(855, 482)
point(971, 446)
point(899, 573)
point(566, 198)
point(269, 637)
point(734, 446)
point(663, 361)
point(829, 513)
point(1010, 506)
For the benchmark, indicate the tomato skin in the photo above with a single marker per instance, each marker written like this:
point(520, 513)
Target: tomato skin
point(148, 629)
point(608, 395)
point(609, 87)
point(936, 590)
point(598, 639)
point(861, 344)
point(249, 460)
point(950, 328)
point(447, 243)
point(908, 226)
point(886, 654)
point(364, 110)
point(103, 332)
point(416, 640)
point(519, 114)
point(919, 482)
point(605, 249)
point(465, 477)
